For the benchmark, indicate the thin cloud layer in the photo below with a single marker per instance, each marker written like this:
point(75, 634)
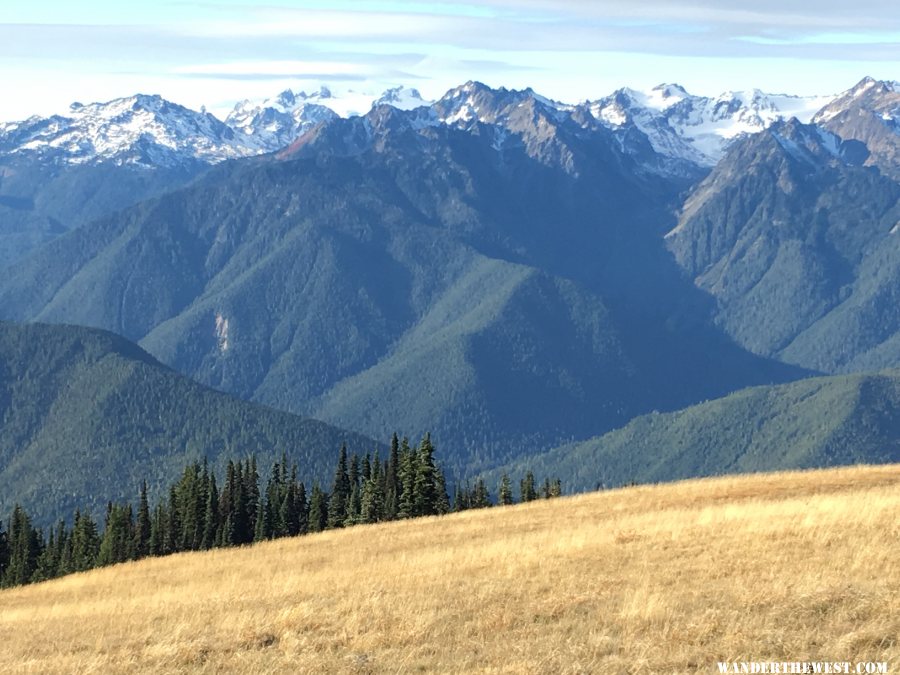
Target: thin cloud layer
point(570, 49)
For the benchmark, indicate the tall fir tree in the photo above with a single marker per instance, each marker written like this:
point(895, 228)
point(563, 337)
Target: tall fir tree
point(372, 501)
point(527, 489)
point(481, 498)
point(172, 540)
point(85, 542)
point(157, 543)
point(24, 549)
point(504, 492)
point(392, 480)
point(4, 551)
point(556, 487)
point(406, 477)
point(340, 492)
point(424, 500)
point(251, 489)
point(318, 509)
point(47, 566)
point(301, 506)
point(211, 515)
point(142, 525)
point(117, 543)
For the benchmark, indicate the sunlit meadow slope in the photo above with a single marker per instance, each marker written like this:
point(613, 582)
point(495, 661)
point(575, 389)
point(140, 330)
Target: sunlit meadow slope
point(671, 578)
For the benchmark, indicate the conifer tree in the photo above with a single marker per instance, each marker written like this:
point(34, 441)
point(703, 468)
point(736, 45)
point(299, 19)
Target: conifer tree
point(556, 488)
point(262, 530)
point(241, 526)
point(340, 492)
point(251, 489)
point(24, 549)
point(64, 542)
point(392, 481)
point(545, 489)
point(4, 552)
point(318, 509)
point(461, 497)
point(85, 542)
point(372, 501)
point(527, 489)
point(118, 536)
point(406, 477)
point(211, 515)
point(157, 542)
point(172, 539)
point(301, 507)
point(481, 498)
point(225, 530)
point(504, 493)
point(47, 566)
point(142, 525)
point(442, 501)
point(424, 498)
point(354, 506)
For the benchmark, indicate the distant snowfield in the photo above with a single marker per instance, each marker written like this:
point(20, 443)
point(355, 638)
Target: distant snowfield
point(148, 130)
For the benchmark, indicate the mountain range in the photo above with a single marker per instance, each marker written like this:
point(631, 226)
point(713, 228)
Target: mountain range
point(511, 273)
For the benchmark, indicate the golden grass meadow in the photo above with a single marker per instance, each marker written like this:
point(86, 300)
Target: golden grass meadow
point(659, 579)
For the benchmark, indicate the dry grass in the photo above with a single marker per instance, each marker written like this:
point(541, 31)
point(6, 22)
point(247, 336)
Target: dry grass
point(791, 566)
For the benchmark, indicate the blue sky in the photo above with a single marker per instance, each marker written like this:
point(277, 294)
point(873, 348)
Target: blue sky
point(54, 52)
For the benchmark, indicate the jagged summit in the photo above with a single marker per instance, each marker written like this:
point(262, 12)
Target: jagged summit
point(698, 128)
point(679, 129)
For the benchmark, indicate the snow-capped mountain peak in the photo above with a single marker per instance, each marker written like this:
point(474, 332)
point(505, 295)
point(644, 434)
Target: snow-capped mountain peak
point(139, 129)
point(699, 128)
point(402, 98)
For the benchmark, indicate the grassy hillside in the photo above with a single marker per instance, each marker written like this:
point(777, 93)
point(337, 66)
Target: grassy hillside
point(666, 579)
point(86, 415)
point(817, 422)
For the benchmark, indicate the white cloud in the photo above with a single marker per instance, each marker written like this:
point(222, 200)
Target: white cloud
point(278, 68)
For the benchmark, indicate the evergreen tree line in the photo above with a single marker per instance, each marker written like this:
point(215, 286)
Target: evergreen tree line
point(198, 514)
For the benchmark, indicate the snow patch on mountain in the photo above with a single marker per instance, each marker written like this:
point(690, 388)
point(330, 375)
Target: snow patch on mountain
point(699, 128)
point(134, 130)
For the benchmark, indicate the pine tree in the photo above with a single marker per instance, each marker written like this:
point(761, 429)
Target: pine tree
point(241, 526)
point(172, 539)
point(251, 490)
point(118, 536)
point(556, 488)
point(47, 566)
point(142, 525)
point(262, 530)
point(481, 498)
point(225, 530)
point(406, 477)
point(424, 499)
point(85, 543)
point(545, 489)
point(24, 549)
point(211, 515)
point(372, 501)
point(302, 509)
point(4, 552)
point(527, 489)
point(318, 509)
point(392, 481)
point(460, 498)
point(157, 542)
point(340, 492)
point(504, 493)
point(442, 501)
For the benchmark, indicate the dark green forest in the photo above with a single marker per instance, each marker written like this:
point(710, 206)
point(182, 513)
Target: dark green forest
point(201, 511)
